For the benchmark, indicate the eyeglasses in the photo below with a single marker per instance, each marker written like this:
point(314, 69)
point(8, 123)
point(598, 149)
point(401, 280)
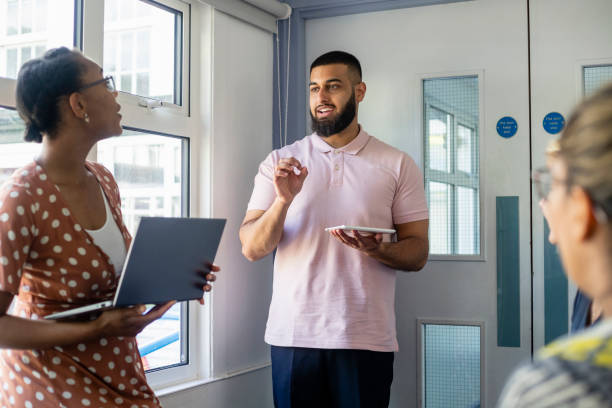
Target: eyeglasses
point(109, 81)
point(542, 179)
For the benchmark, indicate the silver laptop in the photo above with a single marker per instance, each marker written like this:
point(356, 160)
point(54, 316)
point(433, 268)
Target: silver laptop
point(164, 262)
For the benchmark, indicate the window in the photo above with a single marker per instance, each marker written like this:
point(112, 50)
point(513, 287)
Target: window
point(144, 167)
point(452, 182)
point(32, 27)
point(143, 48)
point(595, 77)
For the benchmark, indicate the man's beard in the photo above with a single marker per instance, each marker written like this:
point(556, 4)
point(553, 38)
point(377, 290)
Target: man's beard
point(327, 127)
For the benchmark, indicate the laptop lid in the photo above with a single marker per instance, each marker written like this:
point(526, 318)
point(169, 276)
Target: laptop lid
point(167, 259)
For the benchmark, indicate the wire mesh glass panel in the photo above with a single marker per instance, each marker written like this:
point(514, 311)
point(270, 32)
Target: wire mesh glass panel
point(451, 123)
point(451, 366)
point(595, 77)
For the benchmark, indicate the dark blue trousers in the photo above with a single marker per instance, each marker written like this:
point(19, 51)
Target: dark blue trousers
point(321, 378)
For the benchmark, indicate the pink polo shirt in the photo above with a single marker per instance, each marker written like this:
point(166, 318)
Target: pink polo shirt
point(326, 294)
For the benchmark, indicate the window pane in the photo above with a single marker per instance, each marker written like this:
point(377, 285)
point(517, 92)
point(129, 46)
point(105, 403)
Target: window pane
point(452, 171)
point(596, 77)
point(26, 16)
point(144, 166)
point(467, 221)
point(438, 197)
point(54, 27)
point(148, 47)
point(12, 13)
point(14, 152)
point(451, 366)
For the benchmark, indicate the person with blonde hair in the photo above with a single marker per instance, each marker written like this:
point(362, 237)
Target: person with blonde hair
point(577, 191)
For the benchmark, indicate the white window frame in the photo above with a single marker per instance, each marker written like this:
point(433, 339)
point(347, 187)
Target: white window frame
point(174, 120)
point(420, 130)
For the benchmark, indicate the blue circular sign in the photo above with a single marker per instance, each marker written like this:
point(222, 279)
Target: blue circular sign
point(553, 123)
point(506, 127)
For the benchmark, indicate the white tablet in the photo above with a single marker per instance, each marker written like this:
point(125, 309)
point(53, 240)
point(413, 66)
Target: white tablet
point(362, 229)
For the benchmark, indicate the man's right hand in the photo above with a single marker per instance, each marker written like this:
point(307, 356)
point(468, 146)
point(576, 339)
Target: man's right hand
point(286, 183)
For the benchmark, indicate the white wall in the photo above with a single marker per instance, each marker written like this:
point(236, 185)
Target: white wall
point(236, 105)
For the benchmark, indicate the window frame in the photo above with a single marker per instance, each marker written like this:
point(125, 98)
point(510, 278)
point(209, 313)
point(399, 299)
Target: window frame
point(172, 120)
point(478, 147)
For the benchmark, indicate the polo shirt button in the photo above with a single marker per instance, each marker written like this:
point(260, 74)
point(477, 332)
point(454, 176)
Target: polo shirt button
point(336, 167)
point(336, 151)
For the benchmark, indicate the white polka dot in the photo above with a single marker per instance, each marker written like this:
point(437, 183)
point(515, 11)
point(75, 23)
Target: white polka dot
point(118, 400)
point(26, 249)
point(17, 368)
point(121, 387)
point(43, 176)
point(104, 274)
point(55, 223)
point(128, 359)
point(46, 285)
point(68, 237)
point(34, 208)
point(111, 365)
point(70, 381)
point(40, 396)
point(4, 217)
point(16, 255)
point(81, 251)
point(52, 374)
point(28, 404)
point(122, 373)
point(11, 235)
point(133, 381)
point(116, 350)
point(56, 360)
point(33, 254)
point(25, 359)
point(45, 215)
point(72, 284)
point(95, 263)
point(4, 260)
point(102, 400)
point(134, 406)
point(87, 380)
point(50, 262)
point(65, 211)
point(72, 261)
point(93, 370)
point(107, 379)
point(24, 231)
point(50, 389)
point(80, 295)
point(39, 191)
point(94, 286)
point(86, 275)
point(57, 249)
point(14, 194)
point(19, 389)
point(20, 210)
point(102, 391)
point(27, 380)
point(87, 390)
point(77, 227)
point(44, 240)
point(63, 271)
point(103, 341)
point(97, 356)
point(66, 395)
point(85, 402)
point(62, 292)
point(81, 347)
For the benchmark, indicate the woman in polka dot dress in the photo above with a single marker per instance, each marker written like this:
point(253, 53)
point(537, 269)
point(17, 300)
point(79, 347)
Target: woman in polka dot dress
point(60, 225)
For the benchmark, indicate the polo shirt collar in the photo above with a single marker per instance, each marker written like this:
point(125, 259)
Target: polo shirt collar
point(352, 148)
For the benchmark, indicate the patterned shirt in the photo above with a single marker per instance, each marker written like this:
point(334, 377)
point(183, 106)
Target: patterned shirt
point(50, 263)
point(573, 372)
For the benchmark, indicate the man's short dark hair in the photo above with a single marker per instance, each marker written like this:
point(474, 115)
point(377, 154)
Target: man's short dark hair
point(338, 57)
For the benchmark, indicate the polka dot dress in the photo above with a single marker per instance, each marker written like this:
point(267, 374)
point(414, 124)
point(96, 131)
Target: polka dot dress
point(51, 264)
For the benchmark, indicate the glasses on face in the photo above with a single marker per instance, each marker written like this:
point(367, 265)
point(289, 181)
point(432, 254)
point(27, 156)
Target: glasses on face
point(542, 181)
point(109, 82)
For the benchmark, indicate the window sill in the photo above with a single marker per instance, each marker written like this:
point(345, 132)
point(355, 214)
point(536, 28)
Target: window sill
point(169, 390)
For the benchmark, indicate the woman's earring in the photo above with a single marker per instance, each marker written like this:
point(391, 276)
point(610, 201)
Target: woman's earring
point(86, 118)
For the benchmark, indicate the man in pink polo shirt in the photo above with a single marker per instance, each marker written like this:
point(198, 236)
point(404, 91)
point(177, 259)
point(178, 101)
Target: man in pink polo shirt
point(332, 321)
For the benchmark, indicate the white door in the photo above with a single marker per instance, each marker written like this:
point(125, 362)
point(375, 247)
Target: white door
point(439, 79)
point(571, 54)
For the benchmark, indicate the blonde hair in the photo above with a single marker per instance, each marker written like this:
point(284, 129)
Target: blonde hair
point(586, 148)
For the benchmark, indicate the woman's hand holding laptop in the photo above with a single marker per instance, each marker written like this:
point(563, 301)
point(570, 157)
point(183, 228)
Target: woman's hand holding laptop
point(129, 321)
